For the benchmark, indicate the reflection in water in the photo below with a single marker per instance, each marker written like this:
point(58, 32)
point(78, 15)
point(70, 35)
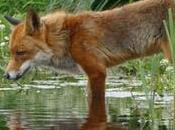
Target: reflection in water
point(60, 105)
point(15, 122)
point(96, 120)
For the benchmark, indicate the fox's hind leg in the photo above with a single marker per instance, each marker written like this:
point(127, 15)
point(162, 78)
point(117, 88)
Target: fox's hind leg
point(165, 47)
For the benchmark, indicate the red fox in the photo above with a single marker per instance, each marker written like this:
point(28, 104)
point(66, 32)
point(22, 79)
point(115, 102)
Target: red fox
point(88, 41)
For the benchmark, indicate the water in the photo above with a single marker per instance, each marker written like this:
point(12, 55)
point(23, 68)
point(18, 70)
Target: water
point(60, 103)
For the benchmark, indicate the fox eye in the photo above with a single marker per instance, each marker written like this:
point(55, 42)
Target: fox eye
point(20, 53)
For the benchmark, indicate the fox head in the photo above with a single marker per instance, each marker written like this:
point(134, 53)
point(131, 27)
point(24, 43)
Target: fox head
point(27, 45)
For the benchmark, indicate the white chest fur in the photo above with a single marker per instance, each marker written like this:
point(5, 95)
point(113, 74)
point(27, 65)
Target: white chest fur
point(65, 64)
point(60, 64)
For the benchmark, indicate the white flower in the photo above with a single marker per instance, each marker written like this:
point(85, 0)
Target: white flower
point(2, 44)
point(170, 69)
point(6, 38)
point(38, 91)
point(164, 62)
point(148, 77)
point(2, 26)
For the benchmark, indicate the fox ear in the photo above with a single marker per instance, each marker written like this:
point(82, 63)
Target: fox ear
point(32, 23)
point(12, 20)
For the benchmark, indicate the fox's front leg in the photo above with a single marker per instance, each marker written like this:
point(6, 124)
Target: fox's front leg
point(96, 84)
point(97, 113)
point(95, 69)
point(96, 73)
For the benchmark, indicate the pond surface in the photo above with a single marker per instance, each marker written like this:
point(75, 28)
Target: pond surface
point(60, 103)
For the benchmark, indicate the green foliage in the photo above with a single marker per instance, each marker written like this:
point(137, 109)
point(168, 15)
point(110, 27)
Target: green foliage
point(12, 7)
point(107, 4)
point(170, 30)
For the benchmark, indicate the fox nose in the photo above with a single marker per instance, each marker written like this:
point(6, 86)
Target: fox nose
point(7, 75)
point(12, 75)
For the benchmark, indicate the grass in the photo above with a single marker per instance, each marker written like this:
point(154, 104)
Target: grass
point(170, 30)
point(44, 6)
